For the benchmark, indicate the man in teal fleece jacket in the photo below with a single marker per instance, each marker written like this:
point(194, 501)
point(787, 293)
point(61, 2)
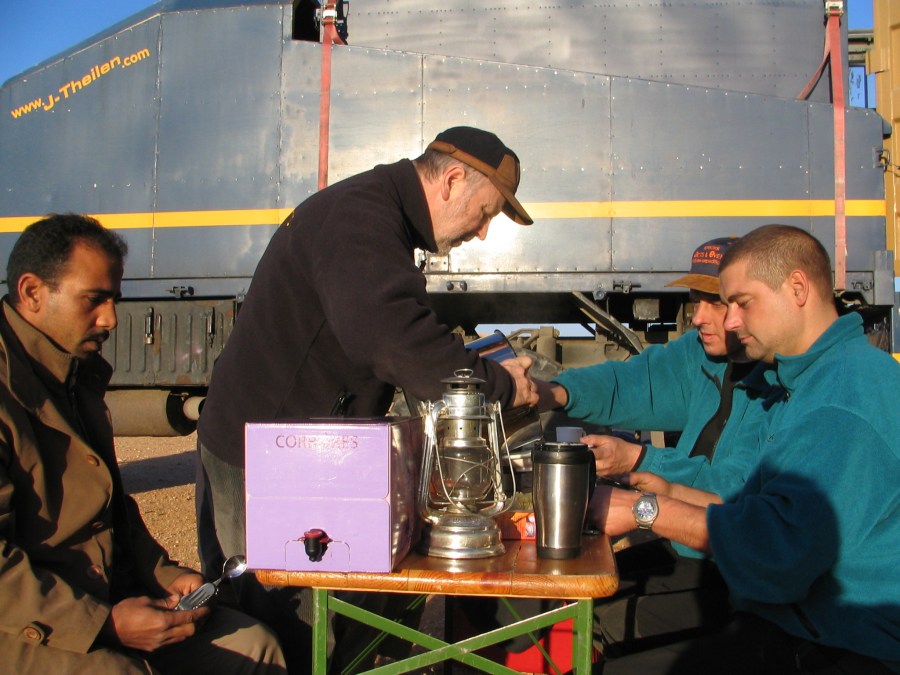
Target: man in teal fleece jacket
point(679, 387)
point(672, 387)
point(808, 548)
point(702, 386)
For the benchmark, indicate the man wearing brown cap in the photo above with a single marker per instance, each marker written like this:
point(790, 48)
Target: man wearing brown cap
point(337, 317)
point(686, 386)
point(700, 385)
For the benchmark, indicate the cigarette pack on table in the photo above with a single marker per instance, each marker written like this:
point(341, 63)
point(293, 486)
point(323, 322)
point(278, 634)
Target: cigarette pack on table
point(517, 525)
point(351, 484)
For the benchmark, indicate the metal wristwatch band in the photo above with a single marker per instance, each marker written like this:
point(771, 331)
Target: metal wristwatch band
point(645, 522)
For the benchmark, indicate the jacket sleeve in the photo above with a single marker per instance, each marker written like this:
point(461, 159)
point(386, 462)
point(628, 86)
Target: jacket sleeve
point(674, 466)
point(155, 569)
point(38, 605)
point(374, 299)
point(651, 390)
point(783, 533)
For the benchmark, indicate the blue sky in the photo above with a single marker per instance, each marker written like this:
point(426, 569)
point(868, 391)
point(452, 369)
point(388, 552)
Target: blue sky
point(34, 30)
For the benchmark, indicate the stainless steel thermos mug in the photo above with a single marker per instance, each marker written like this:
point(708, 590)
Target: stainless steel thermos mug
point(564, 474)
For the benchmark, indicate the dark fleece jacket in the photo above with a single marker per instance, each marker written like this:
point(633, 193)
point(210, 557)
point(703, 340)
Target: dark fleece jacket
point(337, 316)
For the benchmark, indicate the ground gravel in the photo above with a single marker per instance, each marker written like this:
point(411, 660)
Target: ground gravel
point(159, 474)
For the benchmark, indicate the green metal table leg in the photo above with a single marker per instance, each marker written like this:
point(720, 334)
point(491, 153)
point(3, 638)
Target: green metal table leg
point(439, 650)
point(583, 637)
point(320, 631)
point(353, 666)
point(582, 613)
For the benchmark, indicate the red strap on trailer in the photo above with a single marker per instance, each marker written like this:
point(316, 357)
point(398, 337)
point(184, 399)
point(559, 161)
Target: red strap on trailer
point(840, 142)
point(834, 9)
point(329, 37)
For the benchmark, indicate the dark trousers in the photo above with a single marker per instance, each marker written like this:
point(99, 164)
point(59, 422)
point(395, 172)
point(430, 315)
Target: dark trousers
point(662, 597)
point(746, 645)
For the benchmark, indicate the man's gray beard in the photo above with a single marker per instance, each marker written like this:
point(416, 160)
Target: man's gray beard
point(444, 247)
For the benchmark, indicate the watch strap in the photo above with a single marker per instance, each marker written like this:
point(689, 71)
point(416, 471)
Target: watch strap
point(645, 521)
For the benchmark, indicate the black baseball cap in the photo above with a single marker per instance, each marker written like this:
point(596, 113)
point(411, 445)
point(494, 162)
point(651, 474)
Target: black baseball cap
point(483, 151)
point(704, 274)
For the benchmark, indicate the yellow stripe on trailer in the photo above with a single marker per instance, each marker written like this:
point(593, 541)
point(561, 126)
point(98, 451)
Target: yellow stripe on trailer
point(725, 208)
point(167, 219)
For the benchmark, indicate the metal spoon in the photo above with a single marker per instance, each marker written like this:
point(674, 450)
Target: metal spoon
point(235, 566)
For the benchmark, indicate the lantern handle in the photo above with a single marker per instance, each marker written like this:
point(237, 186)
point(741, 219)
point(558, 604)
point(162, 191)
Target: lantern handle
point(429, 452)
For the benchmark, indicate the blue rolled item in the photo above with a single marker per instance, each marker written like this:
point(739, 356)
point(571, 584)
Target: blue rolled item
point(495, 347)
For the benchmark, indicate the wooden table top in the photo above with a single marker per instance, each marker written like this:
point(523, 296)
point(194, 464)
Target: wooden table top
point(517, 573)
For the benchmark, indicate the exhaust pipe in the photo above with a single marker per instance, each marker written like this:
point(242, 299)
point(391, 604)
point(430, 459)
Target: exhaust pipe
point(153, 412)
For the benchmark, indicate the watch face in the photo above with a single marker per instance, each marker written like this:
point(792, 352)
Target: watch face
point(645, 509)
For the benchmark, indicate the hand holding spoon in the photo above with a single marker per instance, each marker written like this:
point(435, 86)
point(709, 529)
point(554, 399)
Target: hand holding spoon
point(234, 567)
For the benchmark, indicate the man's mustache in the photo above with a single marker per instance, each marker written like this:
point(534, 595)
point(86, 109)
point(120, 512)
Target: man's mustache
point(100, 336)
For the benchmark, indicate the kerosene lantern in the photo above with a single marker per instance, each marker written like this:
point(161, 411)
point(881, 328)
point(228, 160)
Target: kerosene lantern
point(461, 488)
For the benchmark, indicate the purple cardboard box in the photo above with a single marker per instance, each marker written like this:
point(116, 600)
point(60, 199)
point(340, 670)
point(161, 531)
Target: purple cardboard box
point(356, 479)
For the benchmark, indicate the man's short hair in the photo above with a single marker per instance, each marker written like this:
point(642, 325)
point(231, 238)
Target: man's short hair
point(432, 163)
point(772, 252)
point(44, 247)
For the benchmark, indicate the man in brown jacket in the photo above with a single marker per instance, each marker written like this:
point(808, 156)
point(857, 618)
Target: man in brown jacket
point(83, 585)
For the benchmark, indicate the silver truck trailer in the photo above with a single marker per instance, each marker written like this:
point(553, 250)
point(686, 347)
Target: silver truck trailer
point(643, 129)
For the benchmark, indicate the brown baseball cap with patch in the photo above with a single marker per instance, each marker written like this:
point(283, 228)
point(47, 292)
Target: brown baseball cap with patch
point(483, 151)
point(704, 274)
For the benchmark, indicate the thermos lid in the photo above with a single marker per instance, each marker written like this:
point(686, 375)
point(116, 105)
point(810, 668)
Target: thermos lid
point(556, 452)
point(560, 446)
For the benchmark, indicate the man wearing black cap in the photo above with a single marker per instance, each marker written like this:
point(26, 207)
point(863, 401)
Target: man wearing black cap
point(700, 385)
point(337, 317)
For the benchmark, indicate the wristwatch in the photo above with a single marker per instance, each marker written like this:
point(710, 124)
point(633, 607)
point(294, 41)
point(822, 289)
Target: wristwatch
point(645, 510)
